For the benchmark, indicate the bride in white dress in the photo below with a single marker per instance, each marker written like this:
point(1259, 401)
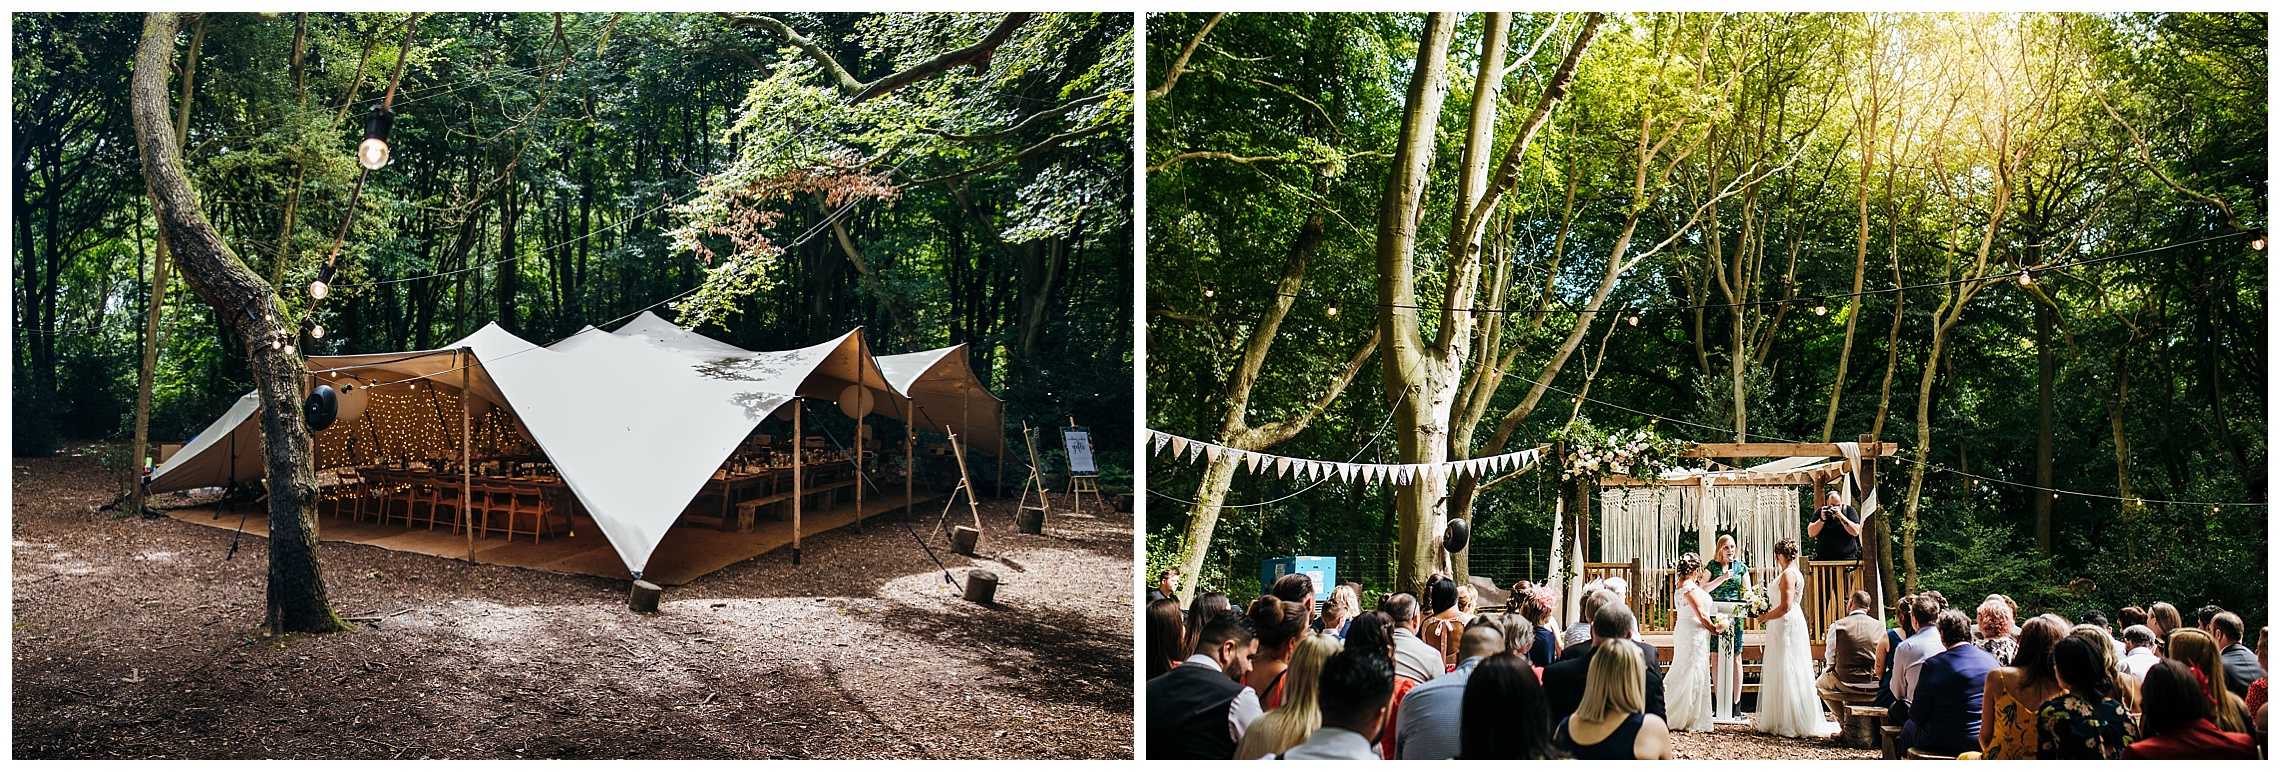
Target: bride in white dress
point(1687, 685)
point(1788, 705)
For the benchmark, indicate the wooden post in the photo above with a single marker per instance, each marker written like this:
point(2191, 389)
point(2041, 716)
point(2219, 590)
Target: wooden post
point(799, 456)
point(1872, 547)
point(959, 449)
point(999, 483)
point(859, 471)
point(910, 455)
point(466, 468)
point(644, 596)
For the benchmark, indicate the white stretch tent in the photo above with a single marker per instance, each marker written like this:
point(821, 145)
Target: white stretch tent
point(636, 421)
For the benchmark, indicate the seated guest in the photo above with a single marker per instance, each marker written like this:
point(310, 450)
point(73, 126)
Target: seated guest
point(2085, 722)
point(1299, 589)
point(1446, 624)
point(2007, 716)
point(1374, 631)
point(1943, 711)
point(2176, 723)
point(1281, 624)
point(1888, 648)
point(1919, 646)
point(2130, 615)
point(1468, 599)
point(1166, 636)
point(1344, 603)
point(2258, 693)
point(2200, 652)
point(1412, 659)
point(1199, 611)
point(2164, 620)
point(1521, 638)
point(1197, 710)
point(1994, 632)
point(1565, 680)
point(2202, 617)
point(2241, 668)
point(1355, 693)
point(2097, 619)
point(1611, 721)
point(1535, 603)
point(1428, 725)
point(2138, 656)
point(1505, 714)
point(1851, 649)
point(1288, 726)
point(1588, 603)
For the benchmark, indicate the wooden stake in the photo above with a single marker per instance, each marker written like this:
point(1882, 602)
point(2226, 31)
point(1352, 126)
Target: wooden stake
point(959, 449)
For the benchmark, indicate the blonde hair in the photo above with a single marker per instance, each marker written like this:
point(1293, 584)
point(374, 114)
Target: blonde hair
point(1288, 726)
point(1467, 598)
point(1725, 540)
point(1344, 604)
point(2195, 648)
point(1616, 684)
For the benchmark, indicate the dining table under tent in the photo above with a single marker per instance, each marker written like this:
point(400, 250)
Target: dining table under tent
point(626, 428)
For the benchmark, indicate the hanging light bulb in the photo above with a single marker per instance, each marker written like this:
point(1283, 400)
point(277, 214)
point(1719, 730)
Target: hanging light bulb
point(319, 289)
point(288, 349)
point(1634, 318)
point(2258, 244)
point(2026, 277)
point(373, 153)
point(1332, 311)
point(1210, 290)
point(317, 332)
point(1820, 307)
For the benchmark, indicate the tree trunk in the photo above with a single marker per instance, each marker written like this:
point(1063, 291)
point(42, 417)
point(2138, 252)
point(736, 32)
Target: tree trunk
point(1421, 410)
point(2045, 436)
point(296, 592)
point(154, 322)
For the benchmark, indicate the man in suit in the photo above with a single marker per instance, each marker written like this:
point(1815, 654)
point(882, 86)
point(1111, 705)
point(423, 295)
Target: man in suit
point(1943, 715)
point(1356, 691)
point(1428, 725)
point(2241, 669)
point(1851, 650)
point(1198, 710)
point(1563, 681)
point(1412, 659)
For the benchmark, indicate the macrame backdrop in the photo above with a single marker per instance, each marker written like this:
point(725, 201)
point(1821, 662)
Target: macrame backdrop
point(1645, 522)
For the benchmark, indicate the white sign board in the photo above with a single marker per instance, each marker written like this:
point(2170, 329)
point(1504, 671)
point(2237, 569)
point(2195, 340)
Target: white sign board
point(1079, 443)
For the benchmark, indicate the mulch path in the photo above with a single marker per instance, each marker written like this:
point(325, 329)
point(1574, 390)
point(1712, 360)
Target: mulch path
point(1738, 741)
point(136, 638)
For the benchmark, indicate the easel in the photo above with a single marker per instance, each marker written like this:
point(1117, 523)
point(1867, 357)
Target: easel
point(1084, 476)
point(1036, 478)
point(965, 485)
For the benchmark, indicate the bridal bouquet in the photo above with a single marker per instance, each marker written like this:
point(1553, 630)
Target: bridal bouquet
point(1755, 601)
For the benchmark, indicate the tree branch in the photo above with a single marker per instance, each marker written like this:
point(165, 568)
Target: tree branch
point(1023, 125)
point(1172, 74)
point(976, 56)
point(2147, 157)
point(1044, 144)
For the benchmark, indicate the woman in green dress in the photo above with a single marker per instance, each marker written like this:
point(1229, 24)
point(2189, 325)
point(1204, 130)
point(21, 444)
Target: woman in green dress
point(1729, 579)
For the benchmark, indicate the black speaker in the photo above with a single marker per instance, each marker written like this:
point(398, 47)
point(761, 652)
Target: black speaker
point(1455, 537)
point(321, 408)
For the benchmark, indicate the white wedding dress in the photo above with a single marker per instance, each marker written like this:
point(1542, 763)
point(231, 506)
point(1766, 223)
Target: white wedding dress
point(1788, 704)
point(1686, 688)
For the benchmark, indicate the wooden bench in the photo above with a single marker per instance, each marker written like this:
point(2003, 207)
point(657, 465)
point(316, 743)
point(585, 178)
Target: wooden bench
point(748, 511)
point(1859, 718)
point(1891, 740)
point(831, 488)
point(1917, 754)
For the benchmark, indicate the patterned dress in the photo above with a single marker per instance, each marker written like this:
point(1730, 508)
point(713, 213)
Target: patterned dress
point(1728, 589)
point(2070, 727)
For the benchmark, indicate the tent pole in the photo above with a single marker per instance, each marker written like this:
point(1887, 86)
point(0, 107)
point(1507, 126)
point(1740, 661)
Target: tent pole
point(859, 471)
point(1000, 482)
point(466, 468)
point(910, 455)
point(799, 454)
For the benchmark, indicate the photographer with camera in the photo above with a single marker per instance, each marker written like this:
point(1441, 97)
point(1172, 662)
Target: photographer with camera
point(1835, 531)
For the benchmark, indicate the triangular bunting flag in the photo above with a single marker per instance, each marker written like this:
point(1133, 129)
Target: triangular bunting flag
point(1253, 459)
point(1213, 452)
point(1179, 446)
point(1282, 466)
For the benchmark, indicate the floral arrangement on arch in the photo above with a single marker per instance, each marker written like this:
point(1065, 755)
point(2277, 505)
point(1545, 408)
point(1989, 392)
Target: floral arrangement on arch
point(1593, 453)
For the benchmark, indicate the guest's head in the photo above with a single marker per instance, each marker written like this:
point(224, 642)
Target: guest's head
point(1165, 579)
point(1534, 602)
point(2037, 639)
point(1618, 585)
point(2225, 627)
point(1443, 591)
point(1926, 611)
point(1689, 568)
point(1616, 684)
point(1907, 614)
point(1994, 618)
point(1860, 601)
point(1280, 624)
point(1467, 598)
point(1371, 631)
point(1505, 713)
point(1229, 639)
point(1401, 607)
point(1727, 552)
point(1589, 607)
point(1303, 680)
point(1343, 605)
point(1199, 612)
point(1519, 633)
point(2165, 619)
point(2085, 665)
point(1785, 551)
point(1480, 640)
point(2171, 698)
point(1299, 589)
point(1933, 597)
point(1354, 691)
point(1955, 627)
point(2095, 617)
point(1167, 635)
point(2137, 637)
point(2206, 613)
point(2263, 646)
point(2130, 615)
point(2201, 652)
point(1612, 623)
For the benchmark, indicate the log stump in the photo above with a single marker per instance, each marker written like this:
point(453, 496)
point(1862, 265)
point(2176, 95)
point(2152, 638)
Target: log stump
point(645, 596)
point(1030, 521)
point(963, 539)
point(1124, 503)
point(981, 586)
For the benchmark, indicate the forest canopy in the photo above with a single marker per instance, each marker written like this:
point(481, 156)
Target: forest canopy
point(552, 171)
point(2027, 248)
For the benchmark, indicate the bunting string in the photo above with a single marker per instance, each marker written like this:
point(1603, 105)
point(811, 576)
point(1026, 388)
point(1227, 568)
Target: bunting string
point(1193, 451)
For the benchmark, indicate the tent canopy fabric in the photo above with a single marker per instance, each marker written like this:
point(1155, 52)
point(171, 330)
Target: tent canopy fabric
point(635, 421)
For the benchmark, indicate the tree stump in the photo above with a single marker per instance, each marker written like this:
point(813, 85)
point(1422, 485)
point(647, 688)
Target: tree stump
point(645, 596)
point(1030, 521)
point(1124, 503)
point(981, 586)
point(963, 539)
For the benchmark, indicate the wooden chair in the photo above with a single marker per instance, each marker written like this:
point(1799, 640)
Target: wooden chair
point(439, 493)
point(388, 489)
point(520, 502)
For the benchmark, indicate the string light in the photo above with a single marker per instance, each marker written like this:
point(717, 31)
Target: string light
point(2258, 244)
point(317, 332)
point(2026, 277)
point(1820, 307)
point(318, 289)
point(1332, 311)
point(373, 152)
point(1210, 290)
point(1634, 318)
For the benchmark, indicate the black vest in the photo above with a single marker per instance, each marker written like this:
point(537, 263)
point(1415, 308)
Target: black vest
point(1187, 714)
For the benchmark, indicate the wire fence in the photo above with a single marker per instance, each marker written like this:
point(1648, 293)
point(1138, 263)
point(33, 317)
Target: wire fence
point(1372, 564)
